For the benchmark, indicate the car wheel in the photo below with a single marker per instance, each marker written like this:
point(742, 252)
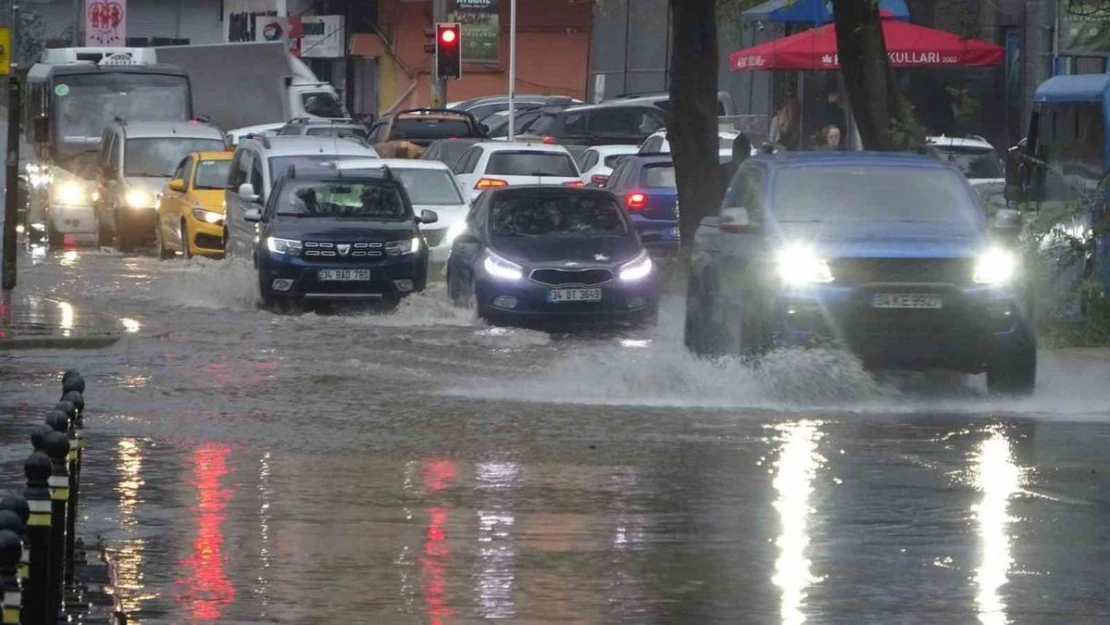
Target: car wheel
point(1015, 373)
point(163, 253)
point(186, 245)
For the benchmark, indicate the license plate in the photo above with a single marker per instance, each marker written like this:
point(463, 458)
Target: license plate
point(905, 300)
point(344, 275)
point(558, 296)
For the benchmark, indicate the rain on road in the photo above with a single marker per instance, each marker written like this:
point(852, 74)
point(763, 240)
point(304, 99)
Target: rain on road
point(425, 468)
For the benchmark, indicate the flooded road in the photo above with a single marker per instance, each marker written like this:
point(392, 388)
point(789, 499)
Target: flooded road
point(423, 467)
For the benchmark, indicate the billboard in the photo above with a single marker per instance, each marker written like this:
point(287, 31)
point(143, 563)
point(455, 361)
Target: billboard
point(105, 23)
point(309, 36)
point(481, 29)
point(1084, 28)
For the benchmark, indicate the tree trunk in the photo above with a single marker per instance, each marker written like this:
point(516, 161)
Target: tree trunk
point(692, 119)
point(883, 116)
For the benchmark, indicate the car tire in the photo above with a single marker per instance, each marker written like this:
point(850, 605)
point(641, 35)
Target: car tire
point(186, 248)
point(1015, 373)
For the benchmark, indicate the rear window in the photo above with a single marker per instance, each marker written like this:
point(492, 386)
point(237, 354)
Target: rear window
point(611, 161)
point(976, 163)
point(417, 129)
point(524, 163)
point(656, 176)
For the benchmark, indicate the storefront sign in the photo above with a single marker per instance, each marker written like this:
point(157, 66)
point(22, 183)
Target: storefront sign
point(287, 29)
point(323, 36)
point(105, 23)
point(1084, 27)
point(481, 30)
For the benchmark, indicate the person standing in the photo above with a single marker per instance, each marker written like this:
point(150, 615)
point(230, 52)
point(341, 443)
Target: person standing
point(833, 113)
point(788, 119)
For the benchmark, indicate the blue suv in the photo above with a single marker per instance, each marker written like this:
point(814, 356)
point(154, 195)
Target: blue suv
point(891, 255)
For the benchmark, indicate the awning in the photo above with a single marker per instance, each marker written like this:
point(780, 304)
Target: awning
point(908, 45)
point(1074, 88)
point(811, 11)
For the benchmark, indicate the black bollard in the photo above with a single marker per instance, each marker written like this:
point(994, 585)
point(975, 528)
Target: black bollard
point(70, 410)
point(74, 555)
point(11, 549)
point(36, 600)
point(57, 447)
point(38, 436)
point(72, 381)
point(18, 505)
point(75, 398)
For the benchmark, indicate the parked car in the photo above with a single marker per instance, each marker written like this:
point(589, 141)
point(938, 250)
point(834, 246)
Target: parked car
point(190, 208)
point(596, 124)
point(597, 163)
point(890, 254)
point(979, 162)
point(407, 133)
point(326, 236)
point(481, 108)
point(430, 186)
point(448, 151)
point(259, 163)
point(136, 161)
point(658, 143)
point(316, 127)
point(497, 164)
point(542, 252)
point(645, 185)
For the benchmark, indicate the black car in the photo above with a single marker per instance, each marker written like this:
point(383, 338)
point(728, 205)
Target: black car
point(340, 237)
point(448, 151)
point(544, 252)
point(615, 123)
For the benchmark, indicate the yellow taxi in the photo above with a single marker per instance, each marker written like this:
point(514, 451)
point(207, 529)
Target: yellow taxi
point(191, 207)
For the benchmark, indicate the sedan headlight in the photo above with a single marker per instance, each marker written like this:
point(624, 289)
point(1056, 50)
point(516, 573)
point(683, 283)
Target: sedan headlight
point(137, 198)
point(284, 246)
point(454, 231)
point(207, 216)
point(71, 193)
point(636, 269)
point(398, 248)
point(502, 268)
point(799, 264)
point(995, 267)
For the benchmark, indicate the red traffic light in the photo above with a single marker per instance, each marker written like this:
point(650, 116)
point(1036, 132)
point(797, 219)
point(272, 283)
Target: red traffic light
point(448, 36)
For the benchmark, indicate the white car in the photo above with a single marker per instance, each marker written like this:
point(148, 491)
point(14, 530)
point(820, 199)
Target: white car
point(498, 164)
point(269, 130)
point(979, 162)
point(431, 186)
point(657, 143)
point(597, 163)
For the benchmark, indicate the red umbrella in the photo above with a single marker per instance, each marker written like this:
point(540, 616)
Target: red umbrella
point(907, 44)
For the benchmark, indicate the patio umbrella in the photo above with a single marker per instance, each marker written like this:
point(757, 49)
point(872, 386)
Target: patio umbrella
point(908, 45)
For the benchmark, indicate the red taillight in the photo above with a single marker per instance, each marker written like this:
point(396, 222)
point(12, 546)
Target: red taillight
point(635, 201)
point(491, 183)
point(574, 183)
point(549, 140)
point(599, 180)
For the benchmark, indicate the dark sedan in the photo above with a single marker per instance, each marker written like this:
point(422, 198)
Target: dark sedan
point(540, 252)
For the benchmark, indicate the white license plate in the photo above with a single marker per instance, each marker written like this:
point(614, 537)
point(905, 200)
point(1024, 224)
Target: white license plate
point(557, 296)
point(344, 275)
point(905, 300)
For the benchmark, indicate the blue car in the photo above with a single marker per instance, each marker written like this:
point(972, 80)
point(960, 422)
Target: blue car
point(891, 255)
point(336, 236)
point(645, 184)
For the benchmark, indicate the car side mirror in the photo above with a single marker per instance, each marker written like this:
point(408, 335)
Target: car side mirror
point(252, 215)
point(428, 217)
point(42, 129)
point(247, 194)
point(736, 219)
point(178, 185)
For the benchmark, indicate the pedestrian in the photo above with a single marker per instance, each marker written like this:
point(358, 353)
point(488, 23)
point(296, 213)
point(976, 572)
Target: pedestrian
point(832, 112)
point(788, 119)
point(831, 135)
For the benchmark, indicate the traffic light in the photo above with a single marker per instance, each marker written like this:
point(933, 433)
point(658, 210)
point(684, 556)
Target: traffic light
point(448, 51)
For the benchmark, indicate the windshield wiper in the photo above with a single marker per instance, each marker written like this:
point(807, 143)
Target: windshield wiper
point(145, 175)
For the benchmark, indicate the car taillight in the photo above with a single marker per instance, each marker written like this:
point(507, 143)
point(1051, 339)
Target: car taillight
point(574, 183)
point(635, 201)
point(549, 140)
point(491, 183)
point(599, 180)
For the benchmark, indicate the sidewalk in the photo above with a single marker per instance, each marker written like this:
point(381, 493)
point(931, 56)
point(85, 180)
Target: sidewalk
point(29, 322)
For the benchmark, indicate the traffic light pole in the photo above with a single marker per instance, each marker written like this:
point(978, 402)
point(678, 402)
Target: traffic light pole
point(439, 85)
point(11, 163)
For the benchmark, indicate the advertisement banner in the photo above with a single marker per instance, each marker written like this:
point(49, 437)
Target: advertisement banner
point(287, 29)
point(105, 23)
point(323, 36)
point(1084, 27)
point(481, 30)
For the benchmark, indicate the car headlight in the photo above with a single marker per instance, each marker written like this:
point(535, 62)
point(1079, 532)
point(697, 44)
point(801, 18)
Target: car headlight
point(636, 269)
point(207, 216)
point(399, 248)
point(454, 231)
point(137, 198)
point(995, 266)
point(799, 264)
point(502, 268)
point(284, 246)
point(71, 193)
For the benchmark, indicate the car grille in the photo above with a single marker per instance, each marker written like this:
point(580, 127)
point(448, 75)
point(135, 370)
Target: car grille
point(560, 277)
point(902, 270)
point(208, 241)
point(330, 250)
point(434, 237)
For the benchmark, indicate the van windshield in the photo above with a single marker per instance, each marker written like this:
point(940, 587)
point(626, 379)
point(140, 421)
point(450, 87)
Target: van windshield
point(86, 103)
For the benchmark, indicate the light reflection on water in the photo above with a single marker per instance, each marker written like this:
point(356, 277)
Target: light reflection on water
point(436, 475)
point(999, 478)
point(206, 588)
point(129, 556)
point(795, 471)
point(266, 494)
point(66, 322)
point(496, 549)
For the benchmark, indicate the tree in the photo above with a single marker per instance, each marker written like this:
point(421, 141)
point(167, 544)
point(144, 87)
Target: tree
point(883, 116)
point(692, 118)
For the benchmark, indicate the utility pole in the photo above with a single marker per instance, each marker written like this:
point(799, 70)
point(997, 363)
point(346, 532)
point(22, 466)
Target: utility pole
point(439, 85)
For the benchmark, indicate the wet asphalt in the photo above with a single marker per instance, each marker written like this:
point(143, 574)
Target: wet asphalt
point(423, 467)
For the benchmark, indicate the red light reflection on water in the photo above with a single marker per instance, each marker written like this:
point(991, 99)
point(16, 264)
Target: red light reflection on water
point(206, 588)
point(435, 475)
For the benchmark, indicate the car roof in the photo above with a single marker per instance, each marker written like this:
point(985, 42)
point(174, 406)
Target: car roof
point(300, 145)
point(400, 163)
point(505, 146)
point(214, 156)
point(188, 130)
point(838, 159)
point(578, 108)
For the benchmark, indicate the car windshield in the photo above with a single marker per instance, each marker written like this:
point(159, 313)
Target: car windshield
point(975, 162)
point(873, 194)
point(549, 214)
point(658, 176)
point(375, 201)
point(430, 186)
point(86, 103)
point(323, 104)
point(531, 163)
point(308, 164)
point(158, 157)
point(211, 174)
point(429, 129)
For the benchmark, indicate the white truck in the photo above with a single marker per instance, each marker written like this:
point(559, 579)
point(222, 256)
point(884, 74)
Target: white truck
point(249, 84)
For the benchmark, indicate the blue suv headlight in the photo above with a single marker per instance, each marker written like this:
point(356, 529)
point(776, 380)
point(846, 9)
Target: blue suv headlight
point(398, 248)
point(284, 246)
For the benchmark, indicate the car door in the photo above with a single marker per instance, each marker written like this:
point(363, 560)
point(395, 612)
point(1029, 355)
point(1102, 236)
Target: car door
point(172, 205)
point(742, 266)
point(465, 254)
point(237, 227)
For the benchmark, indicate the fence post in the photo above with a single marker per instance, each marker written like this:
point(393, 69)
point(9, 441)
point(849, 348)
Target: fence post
point(37, 469)
point(77, 450)
point(11, 549)
point(69, 408)
point(57, 447)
